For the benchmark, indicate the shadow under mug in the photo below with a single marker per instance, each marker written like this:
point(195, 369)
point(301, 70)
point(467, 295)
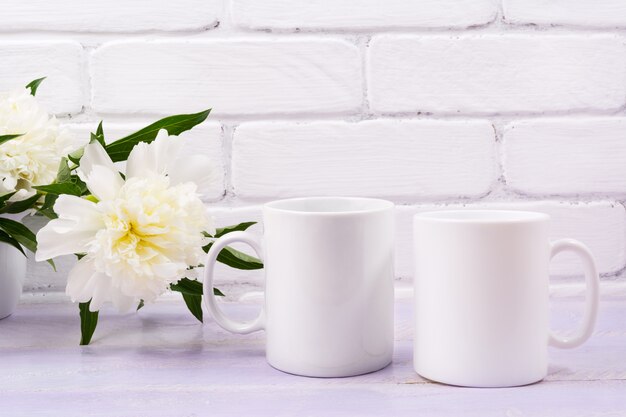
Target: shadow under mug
point(481, 296)
point(329, 274)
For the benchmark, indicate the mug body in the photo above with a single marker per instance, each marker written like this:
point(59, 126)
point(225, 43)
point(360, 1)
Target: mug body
point(481, 297)
point(329, 285)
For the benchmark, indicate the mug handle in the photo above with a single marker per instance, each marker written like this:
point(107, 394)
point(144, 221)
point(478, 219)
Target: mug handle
point(210, 302)
point(592, 293)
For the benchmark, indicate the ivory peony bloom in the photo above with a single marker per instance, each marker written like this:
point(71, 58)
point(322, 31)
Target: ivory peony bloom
point(31, 159)
point(142, 233)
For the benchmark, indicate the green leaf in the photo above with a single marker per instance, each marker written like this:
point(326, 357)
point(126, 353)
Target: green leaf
point(88, 323)
point(5, 197)
point(52, 264)
point(140, 305)
point(61, 188)
point(187, 286)
point(64, 173)
point(20, 233)
point(6, 138)
point(5, 238)
point(192, 292)
point(34, 85)
point(47, 207)
point(76, 155)
point(235, 228)
point(236, 259)
point(20, 206)
point(193, 287)
point(194, 304)
point(100, 130)
point(175, 125)
point(97, 138)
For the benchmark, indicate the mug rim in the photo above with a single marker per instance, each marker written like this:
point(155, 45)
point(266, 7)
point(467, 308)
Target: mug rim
point(482, 216)
point(377, 205)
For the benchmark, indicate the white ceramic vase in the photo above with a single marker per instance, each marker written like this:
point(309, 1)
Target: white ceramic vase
point(12, 274)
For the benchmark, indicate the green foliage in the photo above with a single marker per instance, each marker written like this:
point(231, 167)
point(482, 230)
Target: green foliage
point(60, 188)
point(34, 85)
point(236, 259)
point(20, 233)
point(88, 322)
point(6, 238)
point(192, 292)
point(235, 228)
point(20, 206)
point(5, 197)
point(6, 138)
point(194, 305)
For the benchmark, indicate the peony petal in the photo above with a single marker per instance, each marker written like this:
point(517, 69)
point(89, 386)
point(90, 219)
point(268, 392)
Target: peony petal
point(104, 183)
point(53, 241)
point(101, 292)
point(84, 212)
point(79, 281)
point(78, 222)
point(94, 155)
point(148, 159)
point(122, 302)
point(169, 270)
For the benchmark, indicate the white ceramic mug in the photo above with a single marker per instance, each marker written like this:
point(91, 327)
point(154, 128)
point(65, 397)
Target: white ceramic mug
point(481, 296)
point(328, 285)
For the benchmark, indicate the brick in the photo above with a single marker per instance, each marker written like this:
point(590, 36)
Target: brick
point(233, 76)
point(60, 61)
point(108, 16)
point(388, 158)
point(205, 139)
point(361, 14)
point(495, 74)
point(600, 225)
point(599, 13)
point(566, 156)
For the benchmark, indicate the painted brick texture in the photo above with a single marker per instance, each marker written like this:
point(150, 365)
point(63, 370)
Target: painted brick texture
point(60, 61)
point(517, 104)
point(421, 158)
point(369, 14)
point(496, 73)
point(109, 16)
point(236, 76)
point(601, 13)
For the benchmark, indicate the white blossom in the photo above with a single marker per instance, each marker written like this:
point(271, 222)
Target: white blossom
point(33, 158)
point(142, 233)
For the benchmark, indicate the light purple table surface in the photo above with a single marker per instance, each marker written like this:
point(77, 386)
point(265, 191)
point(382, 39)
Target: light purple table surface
point(161, 362)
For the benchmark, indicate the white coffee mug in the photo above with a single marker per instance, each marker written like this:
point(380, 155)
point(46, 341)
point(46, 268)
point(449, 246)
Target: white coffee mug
point(328, 285)
point(481, 296)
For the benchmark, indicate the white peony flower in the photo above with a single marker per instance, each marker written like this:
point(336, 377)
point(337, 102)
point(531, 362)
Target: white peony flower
point(31, 159)
point(142, 233)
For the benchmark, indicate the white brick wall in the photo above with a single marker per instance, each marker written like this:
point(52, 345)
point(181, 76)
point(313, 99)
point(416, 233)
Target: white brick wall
point(363, 14)
point(109, 16)
point(496, 73)
point(235, 76)
point(597, 13)
point(432, 104)
point(566, 156)
point(398, 159)
point(60, 61)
